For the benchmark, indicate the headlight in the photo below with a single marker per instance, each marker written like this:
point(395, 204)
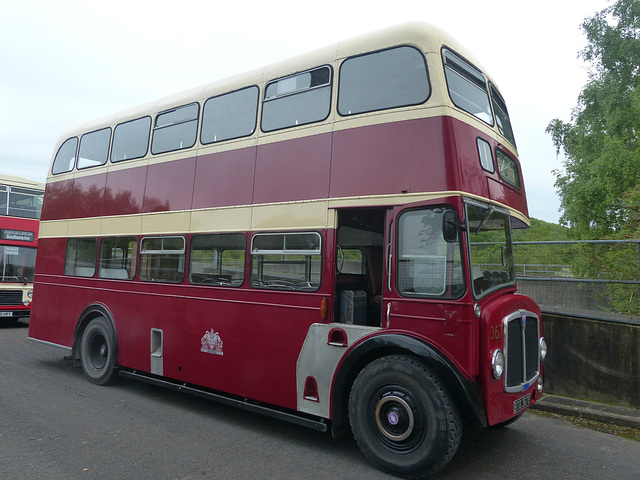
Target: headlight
point(543, 348)
point(30, 293)
point(497, 364)
point(540, 384)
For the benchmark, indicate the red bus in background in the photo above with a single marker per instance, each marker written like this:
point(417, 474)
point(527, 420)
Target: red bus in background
point(20, 207)
point(326, 240)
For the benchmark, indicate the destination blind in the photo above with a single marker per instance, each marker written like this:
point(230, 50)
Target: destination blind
point(16, 235)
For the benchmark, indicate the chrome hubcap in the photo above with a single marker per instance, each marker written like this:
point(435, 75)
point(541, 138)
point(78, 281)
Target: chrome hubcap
point(394, 418)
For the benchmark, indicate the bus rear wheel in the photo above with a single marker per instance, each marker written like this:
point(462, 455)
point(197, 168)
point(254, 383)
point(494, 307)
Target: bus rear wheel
point(98, 352)
point(402, 417)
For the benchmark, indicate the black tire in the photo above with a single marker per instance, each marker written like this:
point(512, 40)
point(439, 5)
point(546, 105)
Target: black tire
point(98, 352)
point(402, 417)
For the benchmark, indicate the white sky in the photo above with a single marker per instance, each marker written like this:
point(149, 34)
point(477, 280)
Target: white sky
point(64, 62)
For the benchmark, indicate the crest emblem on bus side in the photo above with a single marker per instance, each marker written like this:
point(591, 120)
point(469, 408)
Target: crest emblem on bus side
point(211, 343)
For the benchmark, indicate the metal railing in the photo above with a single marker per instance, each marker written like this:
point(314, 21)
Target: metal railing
point(597, 278)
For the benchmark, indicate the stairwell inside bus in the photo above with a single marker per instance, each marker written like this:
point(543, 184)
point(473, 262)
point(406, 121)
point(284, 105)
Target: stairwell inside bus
point(359, 266)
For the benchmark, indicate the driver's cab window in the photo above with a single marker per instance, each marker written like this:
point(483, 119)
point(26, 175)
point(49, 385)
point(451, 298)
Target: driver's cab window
point(428, 265)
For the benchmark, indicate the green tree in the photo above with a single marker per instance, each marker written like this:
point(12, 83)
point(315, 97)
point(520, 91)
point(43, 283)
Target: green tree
point(542, 259)
point(541, 231)
point(601, 164)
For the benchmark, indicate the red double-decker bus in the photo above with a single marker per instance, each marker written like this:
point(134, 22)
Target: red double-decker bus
point(326, 240)
point(20, 206)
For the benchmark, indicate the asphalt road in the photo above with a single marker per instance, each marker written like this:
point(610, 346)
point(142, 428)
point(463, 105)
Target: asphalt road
point(54, 424)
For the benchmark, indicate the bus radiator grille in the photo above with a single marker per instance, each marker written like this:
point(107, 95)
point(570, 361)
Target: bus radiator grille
point(522, 351)
point(10, 298)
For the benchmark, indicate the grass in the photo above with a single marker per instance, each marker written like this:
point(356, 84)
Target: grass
point(625, 432)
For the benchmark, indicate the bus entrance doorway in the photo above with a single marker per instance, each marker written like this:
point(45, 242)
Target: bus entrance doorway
point(359, 266)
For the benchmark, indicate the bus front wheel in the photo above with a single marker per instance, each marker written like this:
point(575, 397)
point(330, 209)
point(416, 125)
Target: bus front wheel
point(98, 351)
point(402, 417)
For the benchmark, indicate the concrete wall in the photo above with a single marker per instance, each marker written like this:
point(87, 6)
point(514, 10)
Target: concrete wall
point(588, 299)
point(591, 359)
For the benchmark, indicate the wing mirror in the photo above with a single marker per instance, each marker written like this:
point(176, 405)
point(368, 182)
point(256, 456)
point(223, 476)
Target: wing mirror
point(450, 226)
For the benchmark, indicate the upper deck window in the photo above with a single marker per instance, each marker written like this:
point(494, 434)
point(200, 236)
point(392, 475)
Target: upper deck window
point(94, 148)
point(486, 157)
point(20, 202)
point(387, 79)
point(175, 129)
point(131, 139)
point(297, 100)
point(502, 116)
point(66, 156)
point(508, 169)
point(228, 116)
point(467, 87)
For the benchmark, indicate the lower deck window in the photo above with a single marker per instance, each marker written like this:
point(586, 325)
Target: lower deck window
point(80, 259)
point(217, 260)
point(290, 261)
point(118, 258)
point(162, 259)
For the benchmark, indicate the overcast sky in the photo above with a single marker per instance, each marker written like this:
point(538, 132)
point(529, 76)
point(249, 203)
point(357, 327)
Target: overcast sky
point(64, 62)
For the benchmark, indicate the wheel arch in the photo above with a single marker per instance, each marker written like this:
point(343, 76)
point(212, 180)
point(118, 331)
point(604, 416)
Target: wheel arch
point(92, 311)
point(465, 393)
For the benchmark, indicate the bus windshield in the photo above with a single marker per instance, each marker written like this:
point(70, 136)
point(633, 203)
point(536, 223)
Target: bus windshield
point(17, 264)
point(490, 249)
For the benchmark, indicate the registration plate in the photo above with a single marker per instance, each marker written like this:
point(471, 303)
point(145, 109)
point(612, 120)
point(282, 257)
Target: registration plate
point(6, 314)
point(521, 403)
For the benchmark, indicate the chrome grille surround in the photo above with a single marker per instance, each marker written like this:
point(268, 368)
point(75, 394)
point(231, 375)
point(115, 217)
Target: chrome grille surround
point(522, 350)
